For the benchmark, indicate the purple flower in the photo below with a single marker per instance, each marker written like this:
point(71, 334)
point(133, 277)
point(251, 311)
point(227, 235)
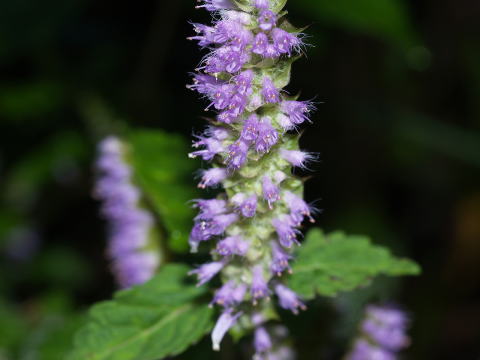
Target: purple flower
point(205, 35)
point(387, 327)
point(230, 294)
point(250, 129)
point(363, 350)
point(210, 208)
point(212, 148)
point(288, 299)
point(259, 288)
point(267, 20)
point(260, 44)
point(261, 4)
point(212, 177)
point(228, 59)
point(262, 341)
point(214, 5)
point(280, 260)
point(296, 157)
point(232, 245)
point(243, 82)
point(237, 155)
point(248, 207)
point(135, 268)
point(298, 208)
point(267, 136)
point(270, 191)
point(207, 271)
point(285, 122)
point(205, 84)
point(269, 92)
point(296, 110)
point(285, 42)
point(222, 96)
point(285, 228)
point(224, 323)
point(204, 230)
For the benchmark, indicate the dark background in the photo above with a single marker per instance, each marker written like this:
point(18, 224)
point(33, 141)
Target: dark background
point(397, 86)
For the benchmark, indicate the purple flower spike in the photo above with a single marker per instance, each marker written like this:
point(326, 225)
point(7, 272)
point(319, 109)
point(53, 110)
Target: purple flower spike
point(288, 299)
point(267, 20)
point(237, 155)
point(212, 177)
point(280, 260)
point(215, 5)
point(267, 136)
point(232, 245)
point(224, 323)
point(285, 42)
point(298, 207)
point(387, 327)
point(207, 271)
point(286, 231)
point(259, 287)
point(270, 191)
point(296, 110)
point(269, 92)
point(296, 157)
point(262, 341)
point(230, 294)
point(260, 44)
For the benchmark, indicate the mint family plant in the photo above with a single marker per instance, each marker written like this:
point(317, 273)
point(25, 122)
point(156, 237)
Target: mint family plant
point(253, 226)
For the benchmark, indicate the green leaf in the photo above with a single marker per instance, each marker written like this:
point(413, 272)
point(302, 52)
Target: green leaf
point(164, 173)
point(329, 264)
point(387, 19)
point(148, 322)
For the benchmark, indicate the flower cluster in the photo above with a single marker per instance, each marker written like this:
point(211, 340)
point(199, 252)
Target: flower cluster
point(133, 262)
point(255, 222)
point(383, 335)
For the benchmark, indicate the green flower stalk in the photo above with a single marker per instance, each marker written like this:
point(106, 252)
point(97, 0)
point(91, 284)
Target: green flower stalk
point(253, 226)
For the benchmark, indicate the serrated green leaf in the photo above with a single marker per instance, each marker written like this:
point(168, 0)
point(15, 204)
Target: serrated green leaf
point(387, 19)
point(329, 264)
point(164, 173)
point(243, 5)
point(148, 322)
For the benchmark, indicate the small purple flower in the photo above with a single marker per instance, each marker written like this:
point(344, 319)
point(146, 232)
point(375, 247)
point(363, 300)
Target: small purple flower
point(237, 155)
point(207, 271)
point(224, 323)
point(280, 260)
point(285, 42)
point(215, 5)
point(288, 299)
point(296, 110)
point(250, 129)
point(212, 177)
point(271, 52)
point(226, 59)
point(248, 208)
point(243, 82)
point(298, 208)
point(270, 191)
point(205, 84)
point(285, 122)
point(267, 136)
point(363, 350)
point(286, 231)
point(267, 20)
point(262, 341)
point(260, 44)
point(259, 288)
point(261, 4)
point(296, 157)
point(230, 294)
point(222, 96)
point(210, 208)
point(269, 92)
point(232, 245)
point(212, 148)
point(387, 327)
point(204, 230)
